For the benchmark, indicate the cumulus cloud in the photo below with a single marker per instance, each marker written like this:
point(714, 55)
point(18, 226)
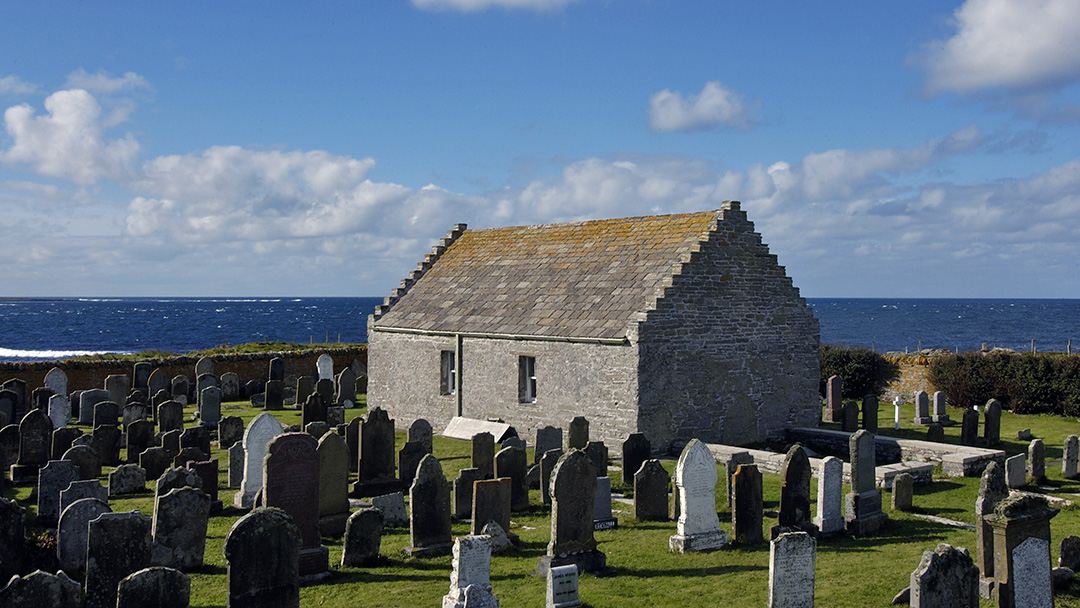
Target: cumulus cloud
point(1029, 44)
point(13, 85)
point(479, 5)
point(102, 83)
point(715, 105)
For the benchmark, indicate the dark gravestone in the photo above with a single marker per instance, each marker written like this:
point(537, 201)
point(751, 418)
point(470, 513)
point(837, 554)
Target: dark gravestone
point(862, 506)
point(277, 369)
point(210, 407)
point(39, 398)
point(154, 461)
point(598, 454)
point(547, 466)
point(170, 441)
point(969, 427)
point(156, 382)
point(1069, 553)
point(935, 432)
point(117, 545)
point(118, 385)
point(12, 539)
point(314, 410)
point(795, 515)
point(849, 422)
point(352, 438)
point(547, 438)
point(408, 459)
point(127, 479)
point(159, 397)
point(230, 431)
point(18, 390)
point(578, 433)
point(7, 406)
point(156, 587)
point(9, 447)
point(513, 442)
point(305, 386)
point(363, 536)
point(230, 387)
point(992, 423)
point(333, 485)
point(35, 439)
point(132, 412)
point(573, 486)
point(180, 387)
point(377, 473)
point(107, 444)
point(746, 505)
point(429, 511)
point(346, 387)
point(512, 463)
point(463, 492)
point(71, 533)
point(420, 430)
point(483, 454)
point(651, 483)
point(291, 483)
point(945, 577)
point(188, 454)
point(317, 429)
point(140, 374)
point(179, 533)
point(86, 461)
point(903, 487)
point(196, 437)
point(106, 413)
point(491, 502)
point(175, 478)
point(203, 382)
point(53, 478)
point(263, 553)
point(62, 439)
point(635, 450)
point(208, 472)
point(140, 435)
point(88, 400)
point(870, 413)
point(170, 416)
point(78, 490)
point(325, 389)
point(236, 465)
point(1036, 461)
point(42, 589)
point(274, 395)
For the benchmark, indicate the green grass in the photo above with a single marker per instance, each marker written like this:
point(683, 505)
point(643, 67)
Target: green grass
point(850, 572)
point(223, 349)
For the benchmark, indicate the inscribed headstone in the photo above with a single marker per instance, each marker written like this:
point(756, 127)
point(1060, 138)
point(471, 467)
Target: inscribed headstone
point(257, 435)
point(262, 550)
point(471, 570)
point(698, 528)
point(651, 483)
point(291, 483)
point(59, 411)
point(562, 587)
point(792, 561)
point(795, 474)
point(830, 513)
point(117, 544)
point(127, 479)
point(363, 536)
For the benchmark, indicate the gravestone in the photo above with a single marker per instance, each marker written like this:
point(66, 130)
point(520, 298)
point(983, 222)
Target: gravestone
point(862, 506)
point(88, 401)
point(849, 417)
point(698, 528)
point(291, 474)
point(992, 423)
point(376, 471)
point(196, 437)
point(408, 459)
point(333, 485)
point(179, 388)
point(230, 431)
point(35, 440)
point(59, 411)
point(12, 538)
point(512, 463)
point(902, 489)
point(651, 483)
point(210, 407)
point(922, 409)
point(463, 492)
point(578, 433)
point(346, 388)
point(42, 589)
point(746, 505)
point(154, 460)
point(471, 571)
point(830, 513)
point(935, 433)
point(202, 383)
point(795, 476)
point(969, 427)
point(547, 438)
point(277, 369)
point(117, 544)
point(86, 461)
point(262, 550)
point(274, 395)
point(1069, 456)
point(1036, 463)
point(9, 447)
point(236, 465)
point(393, 509)
point(1016, 471)
point(140, 435)
point(140, 374)
point(207, 471)
point(547, 465)
point(363, 536)
point(562, 587)
point(61, 442)
point(324, 388)
point(792, 560)
point(78, 490)
point(420, 431)
point(158, 398)
point(513, 442)
point(17, 391)
point(127, 479)
point(491, 502)
point(429, 511)
point(598, 453)
point(325, 367)
point(941, 414)
point(635, 450)
point(56, 380)
point(257, 435)
point(230, 387)
point(53, 478)
point(154, 587)
point(833, 402)
point(39, 398)
point(170, 416)
point(71, 532)
point(483, 454)
point(8, 401)
point(106, 441)
point(1021, 527)
point(178, 477)
point(305, 386)
point(157, 381)
point(946, 576)
point(317, 429)
point(572, 540)
point(602, 519)
point(870, 413)
point(118, 386)
point(314, 410)
point(179, 530)
point(1069, 553)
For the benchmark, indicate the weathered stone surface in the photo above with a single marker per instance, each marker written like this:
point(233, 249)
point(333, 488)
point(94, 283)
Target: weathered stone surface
point(53, 478)
point(862, 506)
point(1069, 456)
point(922, 408)
point(512, 463)
point(333, 484)
point(833, 403)
point(86, 461)
point(179, 528)
point(578, 433)
point(236, 465)
point(325, 367)
point(1032, 584)
point(392, 507)
point(547, 465)
point(127, 479)
point(572, 491)
point(1069, 553)
point(562, 587)
point(698, 527)
point(291, 474)
point(59, 411)
point(106, 413)
point(483, 454)
point(1021, 528)
point(795, 476)
point(179, 388)
point(363, 536)
point(420, 430)
point(992, 423)
point(471, 571)
point(946, 576)
point(11, 538)
point(78, 490)
point(257, 435)
point(41, 589)
point(1036, 463)
point(117, 545)
point(71, 532)
point(118, 385)
point(547, 438)
point(491, 502)
point(62, 439)
point(651, 483)
point(176, 478)
point(792, 561)
point(35, 440)
point(1016, 471)
point(463, 492)
point(170, 416)
point(746, 505)
point(870, 413)
point(154, 587)
point(376, 471)
point(598, 453)
point(230, 431)
point(263, 553)
point(902, 491)
point(408, 459)
point(429, 515)
point(154, 461)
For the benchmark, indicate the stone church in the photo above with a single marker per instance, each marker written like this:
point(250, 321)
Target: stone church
point(676, 326)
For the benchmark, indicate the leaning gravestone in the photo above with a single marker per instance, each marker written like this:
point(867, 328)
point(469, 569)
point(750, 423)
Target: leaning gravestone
point(179, 531)
point(53, 478)
point(154, 587)
point(291, 483)
point(795, 476)
point(792, 560)
point(578, 434)
point(698, 528)
point(472, 572)
point(651, 491)
point(333, 485)
point(830, 513)
point(377, 474)
point(746, 505)
point(946, 577)
point(547, 438)
point(117, 544)
point(562, 587)
point(572, 540)
point(35, 437)
point(263, 553)
point(258, 434)
point(463, 492)
point(635, 450)
point(71, 532)
point(363, 536)
point(429, 517)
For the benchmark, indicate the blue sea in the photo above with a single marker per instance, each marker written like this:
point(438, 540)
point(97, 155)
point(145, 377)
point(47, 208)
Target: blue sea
point(44, 329)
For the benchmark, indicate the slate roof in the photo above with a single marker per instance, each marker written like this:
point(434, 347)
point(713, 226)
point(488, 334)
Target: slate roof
point(576, 280)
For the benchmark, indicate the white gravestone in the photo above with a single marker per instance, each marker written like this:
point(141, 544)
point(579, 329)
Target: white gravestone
point(562, 587)
point(325, 365)
point(698, 528)
point(59, 411)
point(1016, 471)
point(471, 568)
point(1031, 574)
point(792, 558)
point(259, 433)
point(830, 515)
point(57, 380)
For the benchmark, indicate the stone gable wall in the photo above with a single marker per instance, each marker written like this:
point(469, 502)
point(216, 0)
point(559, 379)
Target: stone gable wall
point(730, 353)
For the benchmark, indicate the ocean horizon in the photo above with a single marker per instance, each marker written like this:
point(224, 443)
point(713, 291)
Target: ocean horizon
point(35, 329)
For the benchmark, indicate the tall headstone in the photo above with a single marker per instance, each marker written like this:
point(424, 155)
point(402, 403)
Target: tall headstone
point(969, 427)
point(792, 561)
point(71, 532)
point(140, 374)
point(324, 388)
point(179, 528)
point(830, 514)
point(117, 545)
point(420, 431)
point(346, 388)
point(59, 411)
point(746, 505)
point(491, 502)
point(291, 483)
point(1021, 525)
point(305, 386)
point(236, 465)
point(922, 409)
point(992, 423)
point(363, 536)
point(429, 516)
point(157, 381)
point(277, 369)
point(636, 449)
point(598, 453)
point(155, 587)
point(463, 492)
point(274, 395)
point(8, 400)
point(651, 483)
point(35, 441)
point(547, 466)
point(578, 434)
point(698, 528)
point(88, 400)
point(795, 476)
point(483, 454)
point(1036, 461)
point(471, 571)
point(106, 441)
point(1069, 455)
point(870, 413)
point(210, 407)
point(53, 478)
point(333, 485)
point(258, 434)
point(572, 540)
point(941, 413)
point(1016, 471)
point(833, 401)
point(179, 388)
point(408, 459)
point(849, 417)
point(862, 506)
point(562, 587)
point(140, 435)
point(946, 576)
point(512, 463)
point(57, 380)
point(376, 470)
point(118, 385)
point(325, 367)
point(262, 550)
point(170, 416)
point(547, 438)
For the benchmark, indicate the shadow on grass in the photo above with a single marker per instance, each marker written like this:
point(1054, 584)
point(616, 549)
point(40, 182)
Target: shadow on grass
point(894, 532)
point(939, 485)
point(686, 572)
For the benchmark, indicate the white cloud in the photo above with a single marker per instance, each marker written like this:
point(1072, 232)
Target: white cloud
point(13, 85)
point(479, 5)
point(102, 83)
point(1017, 44)
point(715, 105)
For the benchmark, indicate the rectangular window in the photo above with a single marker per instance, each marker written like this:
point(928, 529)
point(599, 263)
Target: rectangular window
point(447, 373)
point(526, 379)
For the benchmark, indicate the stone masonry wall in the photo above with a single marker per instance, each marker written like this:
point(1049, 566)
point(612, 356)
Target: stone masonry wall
point(913, 376)
point(730, 354)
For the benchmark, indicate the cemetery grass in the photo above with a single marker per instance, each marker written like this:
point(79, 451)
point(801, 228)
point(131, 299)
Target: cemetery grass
point(849, 573)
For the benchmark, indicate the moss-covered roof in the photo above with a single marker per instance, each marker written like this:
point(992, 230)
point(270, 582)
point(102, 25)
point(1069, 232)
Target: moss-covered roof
point(574, 280)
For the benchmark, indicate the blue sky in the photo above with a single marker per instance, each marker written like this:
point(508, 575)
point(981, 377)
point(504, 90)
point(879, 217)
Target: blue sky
point(915, 149)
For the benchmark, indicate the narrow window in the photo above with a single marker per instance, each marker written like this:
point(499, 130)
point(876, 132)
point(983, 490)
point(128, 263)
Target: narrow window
point(526, 379)
point(447, 373)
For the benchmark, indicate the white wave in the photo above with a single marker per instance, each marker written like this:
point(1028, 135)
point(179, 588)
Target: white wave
point(7, 353)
